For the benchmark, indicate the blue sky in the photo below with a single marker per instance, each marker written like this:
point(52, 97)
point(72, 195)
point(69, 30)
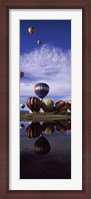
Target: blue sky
point(50, 62)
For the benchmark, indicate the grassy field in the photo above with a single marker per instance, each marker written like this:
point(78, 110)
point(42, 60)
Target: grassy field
point(44, 116)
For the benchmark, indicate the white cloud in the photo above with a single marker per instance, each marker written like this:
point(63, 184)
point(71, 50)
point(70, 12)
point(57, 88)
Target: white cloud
point(46, 64)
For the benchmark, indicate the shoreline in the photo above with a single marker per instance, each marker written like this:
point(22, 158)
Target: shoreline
point(44, 117)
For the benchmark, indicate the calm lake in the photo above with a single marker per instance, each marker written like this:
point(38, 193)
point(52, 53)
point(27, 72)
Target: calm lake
point(45, 150)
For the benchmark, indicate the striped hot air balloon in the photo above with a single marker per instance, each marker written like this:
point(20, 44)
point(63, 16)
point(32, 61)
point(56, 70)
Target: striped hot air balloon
point(41, 90)
point(61, 106)
point(48, 105)
point(42, 146)
point(34, 104)
point(33, 130)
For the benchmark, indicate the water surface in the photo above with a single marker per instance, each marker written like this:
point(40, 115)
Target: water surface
point(45, 150)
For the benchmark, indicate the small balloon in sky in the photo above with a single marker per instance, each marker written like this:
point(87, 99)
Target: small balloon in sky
point(21, 74)
point(39, 42)
point(31, 30)
point(22, 106)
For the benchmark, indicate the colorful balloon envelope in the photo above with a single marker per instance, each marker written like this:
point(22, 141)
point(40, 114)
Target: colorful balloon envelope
point(21, 74)
point(69, 105)
point(33, 130)
point(34, 104)
point(61, 106)
point(48, 105)
point(41, 90)
point(48, 128)
point(42, 146)
point(31, 30)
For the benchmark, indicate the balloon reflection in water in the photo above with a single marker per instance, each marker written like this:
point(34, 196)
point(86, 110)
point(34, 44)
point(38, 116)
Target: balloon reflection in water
point(42, 146)
point(33, 130)
point(63, 126)
point(48, 105)
point(48, 128)
point(69, 125)
point(22, 126)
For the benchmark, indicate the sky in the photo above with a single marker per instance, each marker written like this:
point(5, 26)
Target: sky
point(49, 62)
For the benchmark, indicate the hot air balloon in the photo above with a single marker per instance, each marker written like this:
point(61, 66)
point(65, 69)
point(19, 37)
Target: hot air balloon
point(21, 74)
point(61, 106)
point(48, 105)
point(60, 126)
point(22, 106)
point(48, 128)
point(39, 42)
point(69, 105)
point(33, 130)
point(69, 124)
point(33, 103)
point(31, 30)
point(42, 146)
point(41, 90)
point(66, 123)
